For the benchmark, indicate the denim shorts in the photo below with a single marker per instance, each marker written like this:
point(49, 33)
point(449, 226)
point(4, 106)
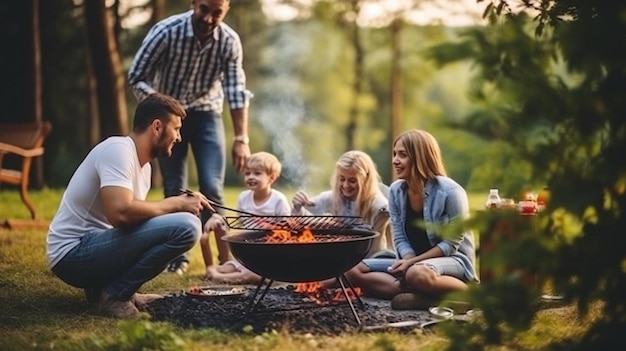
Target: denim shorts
point(441, 265)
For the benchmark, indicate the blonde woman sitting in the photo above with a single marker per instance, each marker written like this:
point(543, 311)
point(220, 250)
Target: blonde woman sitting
point(356, 190)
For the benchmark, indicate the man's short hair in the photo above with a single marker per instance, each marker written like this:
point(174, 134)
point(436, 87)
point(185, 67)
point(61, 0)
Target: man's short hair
point(156, 106)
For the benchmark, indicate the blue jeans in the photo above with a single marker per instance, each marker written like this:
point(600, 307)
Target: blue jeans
point(204, 131)
point(120, 260)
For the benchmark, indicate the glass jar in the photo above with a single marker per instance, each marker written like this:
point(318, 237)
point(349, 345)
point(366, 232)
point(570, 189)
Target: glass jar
point(493, 200)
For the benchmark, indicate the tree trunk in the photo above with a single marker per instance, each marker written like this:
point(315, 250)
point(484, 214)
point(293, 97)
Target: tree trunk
point(37, 107)
point(116, 21)
point(107, 69)
point(37, 172)
point(396, 81)
point(158, 11)
point(357, 85)
point(92, 104)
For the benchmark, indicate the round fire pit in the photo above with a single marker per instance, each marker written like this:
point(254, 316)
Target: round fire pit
point(336, 251)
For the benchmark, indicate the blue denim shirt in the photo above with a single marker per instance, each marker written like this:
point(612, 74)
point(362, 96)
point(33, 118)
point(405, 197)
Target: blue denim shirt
point(444, 201)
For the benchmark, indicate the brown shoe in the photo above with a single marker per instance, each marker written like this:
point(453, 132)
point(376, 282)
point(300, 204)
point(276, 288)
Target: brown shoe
point(412, 301)
point(142, 301)
point(93, 295)
point(118, 309)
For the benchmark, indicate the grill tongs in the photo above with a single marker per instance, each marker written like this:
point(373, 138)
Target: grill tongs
point(250, 221)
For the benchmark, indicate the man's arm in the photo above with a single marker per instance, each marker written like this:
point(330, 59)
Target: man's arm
point(122, 209)
point(145, 63)
point(238, 100)
point(241, 149)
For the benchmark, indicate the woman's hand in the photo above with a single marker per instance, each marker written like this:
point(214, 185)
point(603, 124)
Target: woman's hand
point(301, 199)
point(399, 268)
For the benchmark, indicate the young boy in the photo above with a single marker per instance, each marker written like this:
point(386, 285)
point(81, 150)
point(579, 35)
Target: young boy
point(262, 169)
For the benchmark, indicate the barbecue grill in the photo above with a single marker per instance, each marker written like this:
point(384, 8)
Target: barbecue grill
point(346, 241)
point(340, 243)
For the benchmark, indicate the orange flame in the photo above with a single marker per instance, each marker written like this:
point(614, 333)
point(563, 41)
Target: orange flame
point(313, 290)
point(316, 292)
point(309, 288)
point(338, 296)
point(285, 236)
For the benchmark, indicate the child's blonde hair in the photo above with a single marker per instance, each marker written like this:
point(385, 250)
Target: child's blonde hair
point(368, 180)
point(266, 162)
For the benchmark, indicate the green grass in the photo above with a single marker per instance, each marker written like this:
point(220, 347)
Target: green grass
point(40, 312)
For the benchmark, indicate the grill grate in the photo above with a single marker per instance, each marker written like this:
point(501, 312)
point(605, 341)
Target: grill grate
point(294, 223)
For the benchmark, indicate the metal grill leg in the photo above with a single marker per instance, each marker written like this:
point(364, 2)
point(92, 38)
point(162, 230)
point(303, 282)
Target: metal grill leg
point(253, 301)
point(346, 280)
point(345, 293)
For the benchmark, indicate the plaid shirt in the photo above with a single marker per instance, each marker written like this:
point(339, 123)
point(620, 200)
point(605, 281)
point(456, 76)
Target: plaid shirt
point(173, 62)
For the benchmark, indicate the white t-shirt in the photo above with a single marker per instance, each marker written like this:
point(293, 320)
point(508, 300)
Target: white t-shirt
point(322, 204)
point(275, 205)
point(113, 162)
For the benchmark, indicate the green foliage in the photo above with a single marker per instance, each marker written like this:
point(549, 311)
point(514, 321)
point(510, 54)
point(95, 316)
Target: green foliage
point(552, 90)
point(501, 168)
point(141, 336)
point(384, 344)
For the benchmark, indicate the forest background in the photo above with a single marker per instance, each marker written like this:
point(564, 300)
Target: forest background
point(331, 78)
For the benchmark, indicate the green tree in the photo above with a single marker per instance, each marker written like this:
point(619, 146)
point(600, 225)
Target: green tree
point(107, 69)
point(552, 89)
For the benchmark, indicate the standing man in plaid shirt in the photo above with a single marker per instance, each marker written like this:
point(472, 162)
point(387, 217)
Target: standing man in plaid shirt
point(197, 59)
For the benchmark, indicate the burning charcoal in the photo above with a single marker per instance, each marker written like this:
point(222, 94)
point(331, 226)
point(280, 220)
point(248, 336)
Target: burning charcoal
point(281, 308)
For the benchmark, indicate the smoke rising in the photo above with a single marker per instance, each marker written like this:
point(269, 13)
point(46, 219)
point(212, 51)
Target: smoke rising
point(282, 110)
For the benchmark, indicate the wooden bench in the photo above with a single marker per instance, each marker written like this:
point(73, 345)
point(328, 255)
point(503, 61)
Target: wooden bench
point(25, 141)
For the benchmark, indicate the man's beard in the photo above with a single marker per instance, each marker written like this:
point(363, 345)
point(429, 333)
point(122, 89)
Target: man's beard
point(204, 28)
point(162, 148)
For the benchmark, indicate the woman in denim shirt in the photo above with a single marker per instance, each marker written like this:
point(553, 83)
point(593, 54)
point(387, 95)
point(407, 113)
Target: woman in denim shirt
point(421, 200)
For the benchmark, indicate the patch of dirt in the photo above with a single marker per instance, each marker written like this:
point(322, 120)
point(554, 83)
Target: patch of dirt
point(280, 309)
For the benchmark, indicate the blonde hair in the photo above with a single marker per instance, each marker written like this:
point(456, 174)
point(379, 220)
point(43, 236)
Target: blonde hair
point(368, 180)
point(425, 156)
point(266, 162)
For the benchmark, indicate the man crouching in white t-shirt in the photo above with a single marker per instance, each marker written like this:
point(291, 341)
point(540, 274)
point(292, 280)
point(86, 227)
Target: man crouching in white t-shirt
point(105, 237)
